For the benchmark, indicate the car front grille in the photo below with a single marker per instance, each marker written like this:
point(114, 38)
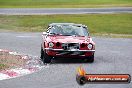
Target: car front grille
point(67, 46)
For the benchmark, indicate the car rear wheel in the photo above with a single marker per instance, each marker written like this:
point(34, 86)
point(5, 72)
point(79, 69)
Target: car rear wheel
point(90, 59)
point(44, 57)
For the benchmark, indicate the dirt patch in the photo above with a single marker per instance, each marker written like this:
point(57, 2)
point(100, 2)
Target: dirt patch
point(8, 60)
point(13, 64)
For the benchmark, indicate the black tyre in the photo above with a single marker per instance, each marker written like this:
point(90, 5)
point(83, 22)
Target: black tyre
point(42, 54)
point(44, 57)
point(90, 59)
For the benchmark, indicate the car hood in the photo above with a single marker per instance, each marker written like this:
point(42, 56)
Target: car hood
point(70, 39)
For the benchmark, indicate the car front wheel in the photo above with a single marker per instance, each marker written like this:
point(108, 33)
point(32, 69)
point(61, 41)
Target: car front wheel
point(44, 57)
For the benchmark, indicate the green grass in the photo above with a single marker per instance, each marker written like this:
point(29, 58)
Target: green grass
point(3, 66)
point(97, 23)
point(62, 3)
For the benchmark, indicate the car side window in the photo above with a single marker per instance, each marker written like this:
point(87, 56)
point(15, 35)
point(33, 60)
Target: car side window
point(49, 29)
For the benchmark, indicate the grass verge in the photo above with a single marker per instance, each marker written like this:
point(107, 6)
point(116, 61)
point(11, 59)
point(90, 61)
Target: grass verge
point(3, 66)
point(97, 23)
point(63, 3)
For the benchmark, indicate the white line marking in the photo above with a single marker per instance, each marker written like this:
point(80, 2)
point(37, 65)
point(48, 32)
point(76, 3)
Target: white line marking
point(21, 71)
point(26, 36)
point(3, 76)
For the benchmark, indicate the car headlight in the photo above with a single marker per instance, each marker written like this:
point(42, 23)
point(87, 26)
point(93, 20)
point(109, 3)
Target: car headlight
point(51, 44)
point(90, 46)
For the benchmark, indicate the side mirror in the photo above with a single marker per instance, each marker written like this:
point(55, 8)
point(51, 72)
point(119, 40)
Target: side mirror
point(44, 33)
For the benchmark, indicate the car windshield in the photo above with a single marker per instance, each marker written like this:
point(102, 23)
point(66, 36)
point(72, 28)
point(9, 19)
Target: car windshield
point(68, 30)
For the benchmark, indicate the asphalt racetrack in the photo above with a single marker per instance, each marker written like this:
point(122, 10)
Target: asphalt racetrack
point(112, 56)
point(49, 11)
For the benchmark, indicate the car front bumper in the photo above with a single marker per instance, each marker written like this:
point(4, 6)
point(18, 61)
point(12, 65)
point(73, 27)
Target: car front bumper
point(70, 52)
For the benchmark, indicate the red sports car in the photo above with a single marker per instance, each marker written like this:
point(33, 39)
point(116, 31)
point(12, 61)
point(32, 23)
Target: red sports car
point(67, 40)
